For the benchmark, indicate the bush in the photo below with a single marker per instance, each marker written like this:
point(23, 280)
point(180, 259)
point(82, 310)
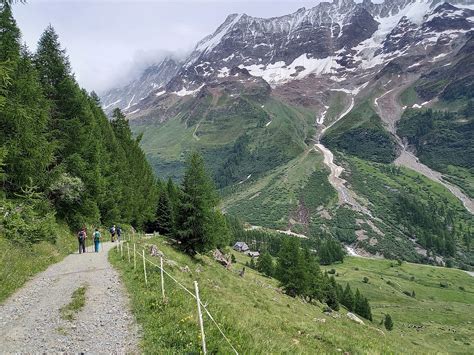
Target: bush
point(443, 284)
point(388, 322)
point(332, 271)
point(365, 280)
point(28, 222)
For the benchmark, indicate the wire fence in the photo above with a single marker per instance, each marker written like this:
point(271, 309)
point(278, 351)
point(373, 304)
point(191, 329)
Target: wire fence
point(163, 272)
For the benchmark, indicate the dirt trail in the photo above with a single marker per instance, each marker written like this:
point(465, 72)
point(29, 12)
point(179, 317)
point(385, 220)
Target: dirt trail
point(30, 320)
point(390, 111)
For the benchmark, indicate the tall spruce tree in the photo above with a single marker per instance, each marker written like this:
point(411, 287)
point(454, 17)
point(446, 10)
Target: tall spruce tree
point(164, 215)
point(199, 225)
point(24, 115)
point(348, 298)
point(265, 264)
point(291, 269)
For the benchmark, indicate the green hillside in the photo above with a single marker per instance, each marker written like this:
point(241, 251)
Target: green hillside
point(237, 135)
point(362, 134)
point(258, 318)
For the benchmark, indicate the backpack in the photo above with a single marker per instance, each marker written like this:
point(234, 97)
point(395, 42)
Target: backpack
point(81, 235)
point(96, 236)
point(112, 230)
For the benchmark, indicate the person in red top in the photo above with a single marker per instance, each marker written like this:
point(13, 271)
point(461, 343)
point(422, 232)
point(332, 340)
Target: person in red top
point(81, 237)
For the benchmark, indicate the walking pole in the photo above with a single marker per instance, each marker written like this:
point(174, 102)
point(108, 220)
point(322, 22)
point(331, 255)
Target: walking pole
point(134, 258)
point(144, 267)
point(162, 279)
point(201, 324)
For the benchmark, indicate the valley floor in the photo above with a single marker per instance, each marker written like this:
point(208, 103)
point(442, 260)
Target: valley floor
point(31, 321)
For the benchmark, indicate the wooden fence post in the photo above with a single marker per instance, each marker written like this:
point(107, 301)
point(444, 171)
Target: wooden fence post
point(121, 249)
point(201, 324)
point(162, 279)
point(128, 252)
point(144, 267)
point(134, 258)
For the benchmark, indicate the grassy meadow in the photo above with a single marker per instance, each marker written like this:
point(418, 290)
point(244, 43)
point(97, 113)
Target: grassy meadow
point(258, 318)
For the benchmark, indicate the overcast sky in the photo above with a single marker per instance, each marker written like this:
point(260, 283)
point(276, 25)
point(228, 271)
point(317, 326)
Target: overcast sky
point(108, 40)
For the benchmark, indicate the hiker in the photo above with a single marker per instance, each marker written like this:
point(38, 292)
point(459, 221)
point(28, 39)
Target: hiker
point(81, 237)
point(119, 233)
point(97, 237)
point(112, 233)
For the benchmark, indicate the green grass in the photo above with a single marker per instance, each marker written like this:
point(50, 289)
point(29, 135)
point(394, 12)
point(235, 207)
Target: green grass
point(444, 315)
point(409, 97)
point(258, 318)
point(78, 301)
point(213, 127)
point(18, 263)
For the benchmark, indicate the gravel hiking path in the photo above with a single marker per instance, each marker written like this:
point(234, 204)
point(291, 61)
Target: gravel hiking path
point(30, 320)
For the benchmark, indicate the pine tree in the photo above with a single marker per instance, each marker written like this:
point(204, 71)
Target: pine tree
point(358, 303)
point(331, 298)
point(366, 309)
point(164, 215)
point(348, 298)
point(53, 64)
point(291, 270)
point(265, 264)
point(9, 36)
point(199, 226)
point(24, 116)
point(388, 322)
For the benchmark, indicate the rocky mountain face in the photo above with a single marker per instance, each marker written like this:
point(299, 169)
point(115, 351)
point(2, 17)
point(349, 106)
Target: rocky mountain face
point(337, 40)
point(152, 78)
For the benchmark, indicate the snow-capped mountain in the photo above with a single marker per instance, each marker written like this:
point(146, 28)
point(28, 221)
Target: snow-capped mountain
point(331, 38)
point(152, 78)
point(336, 40)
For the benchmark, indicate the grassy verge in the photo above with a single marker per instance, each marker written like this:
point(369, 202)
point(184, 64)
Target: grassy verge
point(258, 318)
point(78, 300)
point(18, 263)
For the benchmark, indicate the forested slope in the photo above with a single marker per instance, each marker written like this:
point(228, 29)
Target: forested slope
point(63, 164)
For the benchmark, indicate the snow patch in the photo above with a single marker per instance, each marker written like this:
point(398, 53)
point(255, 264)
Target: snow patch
point(223, 72)
point(248, 177)
point(185, 92)
point(320, 119)
point(159, 93)
point(414, 65)
point(280, 72)
point(130, 103)
point(112, 104)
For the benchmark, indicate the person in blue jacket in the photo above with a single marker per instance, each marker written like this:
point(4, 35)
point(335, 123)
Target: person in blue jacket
point(97, 237)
